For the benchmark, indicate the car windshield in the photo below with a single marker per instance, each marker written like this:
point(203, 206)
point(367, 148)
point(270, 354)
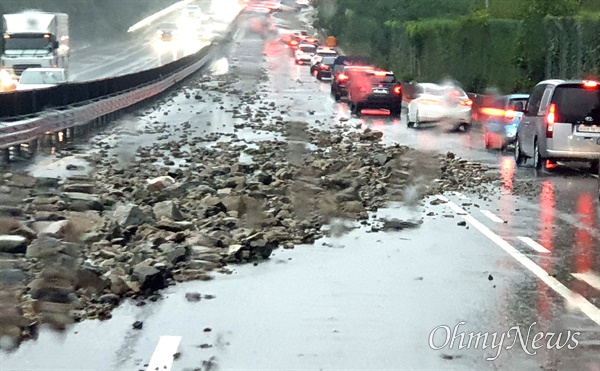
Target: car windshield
point(41, 77)
point(574, 103)
point(518, 103)
point(27, 43)
point(328, 60)
point(377, 79)
point(308, 49)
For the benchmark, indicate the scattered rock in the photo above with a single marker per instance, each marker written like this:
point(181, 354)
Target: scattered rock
point(193, 296)
point(137, 325)
point(150, 278)
point(13, 244)
point(167, 209)
point(398, 225)
point(130, 215)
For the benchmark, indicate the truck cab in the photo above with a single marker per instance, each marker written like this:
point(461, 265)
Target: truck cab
point(34, 40)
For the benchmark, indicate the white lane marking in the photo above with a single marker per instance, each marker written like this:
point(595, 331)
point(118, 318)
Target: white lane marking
point(492, 216)
point(572, 299)
point(590, 278)
point(162, 358)
point(533, 244)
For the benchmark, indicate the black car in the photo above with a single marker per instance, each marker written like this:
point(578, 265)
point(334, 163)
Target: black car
point(374, 89)
point(341, 79)
point(323, 69)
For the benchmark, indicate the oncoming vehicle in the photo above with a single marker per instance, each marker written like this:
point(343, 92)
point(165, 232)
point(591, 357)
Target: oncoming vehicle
point(167, 31)
point(561, 123)
point(440, 104)
point(192, 11)
point(40, 78)
point(323, 69)
point(341, 79)
point(374, 89)
point(7, 80)
point(501, 118)
point(304, 53)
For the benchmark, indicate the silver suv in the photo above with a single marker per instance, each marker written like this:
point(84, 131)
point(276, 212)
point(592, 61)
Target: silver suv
point(561, 123)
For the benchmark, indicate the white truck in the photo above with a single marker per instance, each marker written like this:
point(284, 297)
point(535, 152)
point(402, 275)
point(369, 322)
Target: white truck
point(34, 39)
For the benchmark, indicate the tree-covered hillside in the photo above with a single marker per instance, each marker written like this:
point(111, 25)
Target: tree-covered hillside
point(510, 44)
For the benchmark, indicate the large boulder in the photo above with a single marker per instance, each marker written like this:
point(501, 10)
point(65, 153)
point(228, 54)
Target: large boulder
point(77, 201)
point(13, 244)
point(150, 278)
point(47, 247)
point(55, 229)
point(91, 280)
point(167, 209)
point(131, 215)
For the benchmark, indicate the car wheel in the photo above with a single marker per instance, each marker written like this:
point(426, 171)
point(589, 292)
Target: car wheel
point(464, 127)
point(352, 108)
point(595, 166)
point(319, 76)
point(519, 156)
point(409, 123)
point(357, 109)
point(538, 160)
point(417, 123)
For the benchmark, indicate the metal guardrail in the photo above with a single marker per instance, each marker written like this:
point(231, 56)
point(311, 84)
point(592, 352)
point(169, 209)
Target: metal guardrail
point(75, 104)
point(81, 113)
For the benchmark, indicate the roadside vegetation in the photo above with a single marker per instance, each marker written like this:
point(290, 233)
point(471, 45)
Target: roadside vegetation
point(508, 44)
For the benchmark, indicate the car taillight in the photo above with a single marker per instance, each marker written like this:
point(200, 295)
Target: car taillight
point(510, 114)
point(466, 102)
point(342, 77)
point(293, 42)
point(497, 112)
point(550, 117)
point(397, 89)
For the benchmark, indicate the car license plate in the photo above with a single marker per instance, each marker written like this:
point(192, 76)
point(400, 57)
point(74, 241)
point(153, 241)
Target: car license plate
point(380, 91)
point(588, 129)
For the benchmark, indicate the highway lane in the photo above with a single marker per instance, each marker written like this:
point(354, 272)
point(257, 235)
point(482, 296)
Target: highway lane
point(139, 50)
point(364, 300)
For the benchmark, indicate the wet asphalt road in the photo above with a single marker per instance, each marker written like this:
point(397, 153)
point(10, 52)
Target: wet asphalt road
point(365, 301)
point(133, 52)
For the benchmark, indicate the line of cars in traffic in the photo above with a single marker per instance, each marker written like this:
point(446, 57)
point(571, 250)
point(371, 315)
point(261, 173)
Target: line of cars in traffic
point(353, 79)
point(560, 121)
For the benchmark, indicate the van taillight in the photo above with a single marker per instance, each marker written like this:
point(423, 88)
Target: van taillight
point(397, 89)
point(550, 118)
